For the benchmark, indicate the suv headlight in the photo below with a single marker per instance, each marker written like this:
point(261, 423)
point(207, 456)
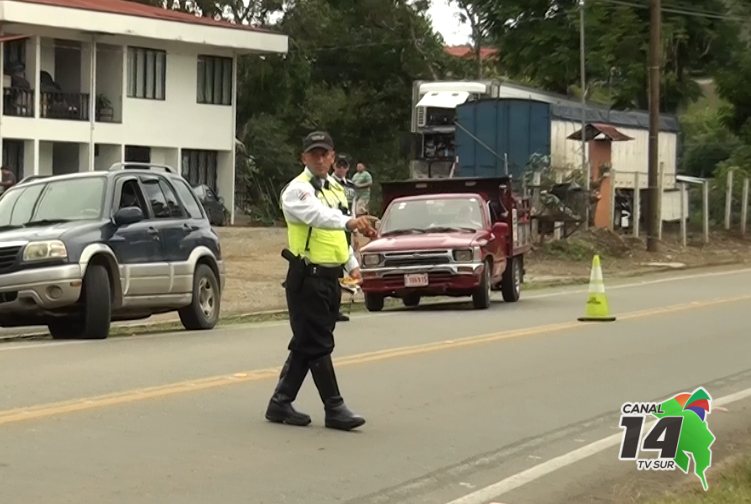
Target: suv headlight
point(371, 260)
point(44, 250)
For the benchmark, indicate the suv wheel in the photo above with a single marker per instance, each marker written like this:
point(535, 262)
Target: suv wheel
point(96, 313)
point(203, 311)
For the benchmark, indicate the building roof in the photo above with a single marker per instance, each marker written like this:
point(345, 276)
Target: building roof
point(467, 51)
point(598, 131)
point(125, 18)
point(142, 10)
point(569, 109)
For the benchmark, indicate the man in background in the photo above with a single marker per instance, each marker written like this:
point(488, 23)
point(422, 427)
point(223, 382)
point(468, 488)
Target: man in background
point(347, 188)
point(363, 181)
point(341, 167)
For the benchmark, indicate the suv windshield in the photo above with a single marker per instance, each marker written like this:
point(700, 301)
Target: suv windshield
point(439, 214)
point(53, 201)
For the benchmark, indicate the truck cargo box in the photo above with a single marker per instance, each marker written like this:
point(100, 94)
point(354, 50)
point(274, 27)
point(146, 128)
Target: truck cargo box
point(497, 136)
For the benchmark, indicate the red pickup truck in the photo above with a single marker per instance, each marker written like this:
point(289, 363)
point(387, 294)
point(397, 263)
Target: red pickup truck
point(447, 237)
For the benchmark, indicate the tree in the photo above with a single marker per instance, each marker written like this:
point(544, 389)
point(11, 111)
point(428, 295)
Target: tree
point(539, 40)
point(349, 70)
point(237, 11)
point(469, 13)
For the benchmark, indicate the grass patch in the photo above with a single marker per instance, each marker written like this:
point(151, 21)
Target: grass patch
point(729, 485)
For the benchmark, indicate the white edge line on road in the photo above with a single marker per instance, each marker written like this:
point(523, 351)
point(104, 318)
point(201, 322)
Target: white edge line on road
point(565, 291)
point(499, 488)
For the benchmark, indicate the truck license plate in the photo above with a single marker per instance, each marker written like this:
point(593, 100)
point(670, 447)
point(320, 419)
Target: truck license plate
point(416, 280)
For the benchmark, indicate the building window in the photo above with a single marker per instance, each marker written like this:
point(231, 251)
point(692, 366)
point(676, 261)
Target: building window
point(214, 80)
point(199, 167)
point(147, 72)
point(14, 54)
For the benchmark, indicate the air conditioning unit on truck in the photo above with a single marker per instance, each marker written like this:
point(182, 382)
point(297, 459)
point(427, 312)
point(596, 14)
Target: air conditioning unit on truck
point(447, 237)
point(434, 106)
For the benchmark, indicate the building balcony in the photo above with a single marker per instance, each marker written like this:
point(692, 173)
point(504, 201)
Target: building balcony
point(70, 106)
point(18, 102)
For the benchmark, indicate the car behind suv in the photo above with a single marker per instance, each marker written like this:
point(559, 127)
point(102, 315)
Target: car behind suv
point(81, 250)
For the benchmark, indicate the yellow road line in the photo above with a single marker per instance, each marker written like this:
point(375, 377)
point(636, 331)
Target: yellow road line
point(60, 408)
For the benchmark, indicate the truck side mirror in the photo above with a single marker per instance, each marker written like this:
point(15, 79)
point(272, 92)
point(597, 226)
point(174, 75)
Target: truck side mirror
point(500, 229)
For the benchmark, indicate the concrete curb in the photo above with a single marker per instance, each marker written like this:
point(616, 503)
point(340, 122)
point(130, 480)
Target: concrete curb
point(162, 325)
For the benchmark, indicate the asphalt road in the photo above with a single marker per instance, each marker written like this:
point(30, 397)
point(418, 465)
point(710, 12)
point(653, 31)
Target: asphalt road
point(455, 400)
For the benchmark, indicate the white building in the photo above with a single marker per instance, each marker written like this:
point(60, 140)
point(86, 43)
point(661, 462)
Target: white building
point(87, 83)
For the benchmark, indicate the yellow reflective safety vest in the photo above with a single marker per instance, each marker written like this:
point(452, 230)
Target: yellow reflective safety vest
point(320, 246)
point(341, 193)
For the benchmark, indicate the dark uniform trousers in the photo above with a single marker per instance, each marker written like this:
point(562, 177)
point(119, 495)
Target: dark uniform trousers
point(313, 302)
point(313, 311)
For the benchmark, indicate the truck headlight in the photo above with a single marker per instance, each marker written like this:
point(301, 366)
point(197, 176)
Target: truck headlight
point(44, 250)
point(464, 255)
point(371, 260)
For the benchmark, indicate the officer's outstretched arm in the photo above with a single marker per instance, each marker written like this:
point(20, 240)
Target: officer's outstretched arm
point(352, 261)
point(300, 203)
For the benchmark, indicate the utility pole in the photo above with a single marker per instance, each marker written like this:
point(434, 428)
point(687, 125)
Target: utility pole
point(582, 72)
point(653, 202)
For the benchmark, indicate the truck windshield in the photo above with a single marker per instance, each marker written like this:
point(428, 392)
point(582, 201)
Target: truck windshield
point(433, 215)
point(54, 201)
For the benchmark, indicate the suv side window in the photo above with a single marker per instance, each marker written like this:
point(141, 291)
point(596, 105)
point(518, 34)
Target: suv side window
point(188, 198)
point(173, 203)
point(160, 203)
point(131, 196)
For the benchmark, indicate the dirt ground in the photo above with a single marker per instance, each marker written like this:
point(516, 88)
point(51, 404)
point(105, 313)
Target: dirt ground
point(255, 268)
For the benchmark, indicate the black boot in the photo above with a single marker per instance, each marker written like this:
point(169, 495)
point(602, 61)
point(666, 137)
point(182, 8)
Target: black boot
point(342, 317)
point(280, 408)
point(338, 416)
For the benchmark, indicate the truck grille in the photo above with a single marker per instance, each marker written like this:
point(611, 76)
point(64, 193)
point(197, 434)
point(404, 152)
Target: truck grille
point(416, 261)
point(421, 258)
point(8, 257)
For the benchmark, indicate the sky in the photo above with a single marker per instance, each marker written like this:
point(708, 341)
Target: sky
point(445, 20)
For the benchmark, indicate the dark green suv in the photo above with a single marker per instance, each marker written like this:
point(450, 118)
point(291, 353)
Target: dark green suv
point(81, 250)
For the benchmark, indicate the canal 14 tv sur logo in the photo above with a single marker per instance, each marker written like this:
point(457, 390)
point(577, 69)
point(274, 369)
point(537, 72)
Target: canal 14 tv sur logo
point(675, 430)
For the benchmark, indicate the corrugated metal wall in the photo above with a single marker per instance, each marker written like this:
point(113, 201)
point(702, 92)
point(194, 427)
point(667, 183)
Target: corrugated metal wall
point(628, 157)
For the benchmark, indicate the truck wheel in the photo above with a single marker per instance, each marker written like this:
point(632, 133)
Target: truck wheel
point(373, 302)
point(481, 296)
point(511, 284)
point(94, 321)
point(411, 300)
point(203, 311)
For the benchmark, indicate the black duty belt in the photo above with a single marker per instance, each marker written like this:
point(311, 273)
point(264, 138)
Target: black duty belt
point(315, 270)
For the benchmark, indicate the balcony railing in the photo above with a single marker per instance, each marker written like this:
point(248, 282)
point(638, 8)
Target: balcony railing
point(18, 102)
point(72, 106)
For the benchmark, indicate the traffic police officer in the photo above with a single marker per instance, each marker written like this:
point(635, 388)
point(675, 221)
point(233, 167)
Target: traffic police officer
point(318, 254)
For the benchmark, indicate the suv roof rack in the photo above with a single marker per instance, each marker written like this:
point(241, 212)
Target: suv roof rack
point(32, 177)
point(132, 164)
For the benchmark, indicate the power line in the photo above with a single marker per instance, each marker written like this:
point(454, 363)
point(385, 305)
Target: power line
point(682, 11)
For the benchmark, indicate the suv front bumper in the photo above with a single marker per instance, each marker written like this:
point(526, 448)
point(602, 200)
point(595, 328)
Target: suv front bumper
point(40, 288)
